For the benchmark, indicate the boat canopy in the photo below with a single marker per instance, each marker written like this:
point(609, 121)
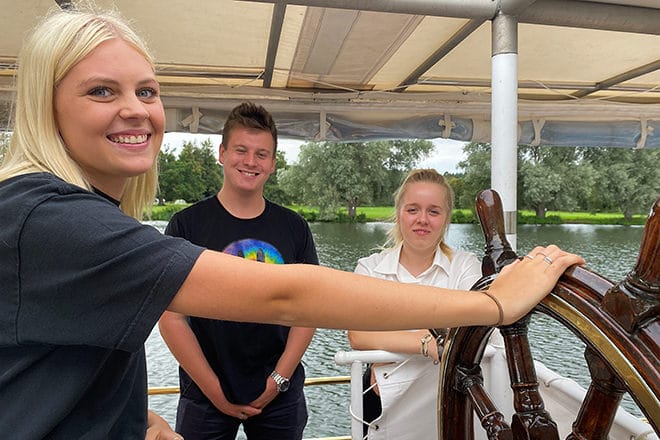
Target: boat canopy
point(588, 72)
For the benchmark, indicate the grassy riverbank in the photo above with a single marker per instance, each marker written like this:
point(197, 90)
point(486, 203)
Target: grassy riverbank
point(384, 213)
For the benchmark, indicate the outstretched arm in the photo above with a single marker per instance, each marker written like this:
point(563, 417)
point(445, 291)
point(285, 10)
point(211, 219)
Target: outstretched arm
point(314, 296)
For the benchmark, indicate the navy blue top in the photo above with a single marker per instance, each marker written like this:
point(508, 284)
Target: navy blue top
point(243, 354)
point(81, 287)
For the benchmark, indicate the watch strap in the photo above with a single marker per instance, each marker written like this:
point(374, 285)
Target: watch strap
point(281, 381)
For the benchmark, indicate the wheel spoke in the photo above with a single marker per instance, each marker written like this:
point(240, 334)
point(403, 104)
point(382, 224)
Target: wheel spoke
point(470, 382)
point(601, 402)
point(530, 420)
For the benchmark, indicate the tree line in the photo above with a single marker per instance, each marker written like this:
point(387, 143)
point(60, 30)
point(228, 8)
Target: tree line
point(331, 175)
point(570, 178)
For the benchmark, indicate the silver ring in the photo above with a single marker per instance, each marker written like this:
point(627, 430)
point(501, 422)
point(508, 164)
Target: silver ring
point(547, 259)
point(529, 256)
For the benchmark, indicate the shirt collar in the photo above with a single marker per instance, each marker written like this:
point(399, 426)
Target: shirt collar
point(390, 263)
point(106, 196)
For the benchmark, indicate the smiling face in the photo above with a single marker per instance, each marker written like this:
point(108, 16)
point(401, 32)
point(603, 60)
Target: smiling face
point(109, 115)
point(248, 158)
point(423, 216)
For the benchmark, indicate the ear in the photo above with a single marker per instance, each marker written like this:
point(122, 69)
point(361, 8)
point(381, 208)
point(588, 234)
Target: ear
point(221, 154)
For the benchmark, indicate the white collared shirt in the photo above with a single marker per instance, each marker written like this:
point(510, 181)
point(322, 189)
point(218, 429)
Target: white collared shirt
point(461, 272)
point(409, 392)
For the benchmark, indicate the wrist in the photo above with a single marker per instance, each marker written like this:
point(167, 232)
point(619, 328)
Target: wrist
point(281, 382)
point(424, 350)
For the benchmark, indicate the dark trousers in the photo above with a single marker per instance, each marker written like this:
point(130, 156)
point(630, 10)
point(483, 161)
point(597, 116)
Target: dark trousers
point(283, 419)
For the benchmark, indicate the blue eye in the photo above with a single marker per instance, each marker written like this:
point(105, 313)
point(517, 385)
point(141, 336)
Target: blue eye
point(102, 92)
point(147, 92)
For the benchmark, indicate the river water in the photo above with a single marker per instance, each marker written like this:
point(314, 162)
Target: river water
point(609, 250)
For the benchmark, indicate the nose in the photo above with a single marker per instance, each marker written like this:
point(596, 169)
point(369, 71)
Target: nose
point(249, 159)
point(133, 108)
point(422, 218)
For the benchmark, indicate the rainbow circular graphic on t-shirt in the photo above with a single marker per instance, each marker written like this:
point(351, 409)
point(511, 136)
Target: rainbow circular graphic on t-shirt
point(256, 250)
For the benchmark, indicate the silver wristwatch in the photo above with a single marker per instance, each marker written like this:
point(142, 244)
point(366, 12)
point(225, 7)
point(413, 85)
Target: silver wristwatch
point(281, 381)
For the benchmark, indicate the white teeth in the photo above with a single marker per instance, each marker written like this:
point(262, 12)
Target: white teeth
point(130, 139)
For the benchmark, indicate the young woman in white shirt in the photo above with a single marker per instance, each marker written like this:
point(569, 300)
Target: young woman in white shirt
point(401, 403)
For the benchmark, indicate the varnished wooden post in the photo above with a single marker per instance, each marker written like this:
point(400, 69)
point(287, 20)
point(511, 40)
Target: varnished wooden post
point(636, 300)
point(531, 420)
point(497, 250)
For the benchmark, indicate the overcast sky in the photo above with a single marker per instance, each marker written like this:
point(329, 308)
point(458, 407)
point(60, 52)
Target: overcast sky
point(445, 157)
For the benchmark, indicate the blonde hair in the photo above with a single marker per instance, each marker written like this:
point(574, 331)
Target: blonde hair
point(55, 46)
point(394, 235)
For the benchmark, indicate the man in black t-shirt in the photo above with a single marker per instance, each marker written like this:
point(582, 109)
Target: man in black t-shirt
point(242, 373)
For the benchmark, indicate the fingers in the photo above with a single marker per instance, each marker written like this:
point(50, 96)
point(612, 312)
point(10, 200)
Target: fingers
point(521, 285)
point(246, 412)
point(553, 257)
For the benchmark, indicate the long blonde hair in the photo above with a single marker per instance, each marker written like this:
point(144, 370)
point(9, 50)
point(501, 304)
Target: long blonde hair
point(394, 235)
point(56, 45)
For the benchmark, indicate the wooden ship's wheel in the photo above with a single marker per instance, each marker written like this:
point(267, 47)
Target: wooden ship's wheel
point(618, 323)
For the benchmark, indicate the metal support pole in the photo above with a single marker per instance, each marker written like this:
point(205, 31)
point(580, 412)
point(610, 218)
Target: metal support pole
point(504, 118)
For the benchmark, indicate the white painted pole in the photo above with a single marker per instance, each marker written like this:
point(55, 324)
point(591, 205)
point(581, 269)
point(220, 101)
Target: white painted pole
point(356, 401)
point(504, 119)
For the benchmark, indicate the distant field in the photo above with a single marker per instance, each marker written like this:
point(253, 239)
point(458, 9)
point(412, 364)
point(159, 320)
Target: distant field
point(384, 213)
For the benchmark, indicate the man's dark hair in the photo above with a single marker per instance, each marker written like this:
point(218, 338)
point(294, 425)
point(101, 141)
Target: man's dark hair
point(249, 115)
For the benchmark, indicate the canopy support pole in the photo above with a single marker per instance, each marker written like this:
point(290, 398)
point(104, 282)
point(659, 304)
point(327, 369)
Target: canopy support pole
point(504, 119)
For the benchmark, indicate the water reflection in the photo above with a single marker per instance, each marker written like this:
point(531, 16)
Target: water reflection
point(609, 250)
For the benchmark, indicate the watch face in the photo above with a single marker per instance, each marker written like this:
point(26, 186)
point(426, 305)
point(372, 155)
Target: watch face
point(283, 386)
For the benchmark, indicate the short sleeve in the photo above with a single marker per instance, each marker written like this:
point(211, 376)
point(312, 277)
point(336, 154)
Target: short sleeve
point(470, 271)
point(91, 275)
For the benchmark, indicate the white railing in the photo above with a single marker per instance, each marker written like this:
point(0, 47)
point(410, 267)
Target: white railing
point(562, 396)
point(357, 360)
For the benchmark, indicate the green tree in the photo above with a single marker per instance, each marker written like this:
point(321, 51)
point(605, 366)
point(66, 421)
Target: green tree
point(548, 177)
point(337, 174)
point(194, 175)
point(476, 171)
point(552, 178)
point(627, 180)
point(457, 183)
point(330, 175)
point(167, 175)
point(272, 189)
point(404, 155)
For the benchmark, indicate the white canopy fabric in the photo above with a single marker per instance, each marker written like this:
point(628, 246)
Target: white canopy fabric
point(588, 71)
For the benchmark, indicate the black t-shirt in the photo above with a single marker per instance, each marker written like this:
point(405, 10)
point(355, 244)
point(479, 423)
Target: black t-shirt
point(244, 354)
point(81, 287)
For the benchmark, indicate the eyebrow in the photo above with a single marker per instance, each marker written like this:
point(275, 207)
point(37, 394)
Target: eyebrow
point(415, 204)
point(259, 149)
point(105, 80)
